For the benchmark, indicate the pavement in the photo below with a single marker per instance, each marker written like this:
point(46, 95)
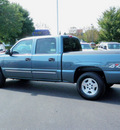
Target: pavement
point(36, 105)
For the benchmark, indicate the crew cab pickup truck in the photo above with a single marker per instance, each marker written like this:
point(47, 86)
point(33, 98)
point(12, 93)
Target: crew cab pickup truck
point(61, 59)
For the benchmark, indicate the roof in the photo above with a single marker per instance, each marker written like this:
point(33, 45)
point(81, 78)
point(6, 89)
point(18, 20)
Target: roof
point(47, 36)
point(109, 43)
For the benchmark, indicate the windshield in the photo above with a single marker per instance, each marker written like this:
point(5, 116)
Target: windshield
point(85, 46)
point(113, 46)
point(1, 46)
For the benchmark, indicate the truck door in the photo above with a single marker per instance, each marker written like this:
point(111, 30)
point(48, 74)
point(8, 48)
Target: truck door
point(46, 62)
point(18, 65)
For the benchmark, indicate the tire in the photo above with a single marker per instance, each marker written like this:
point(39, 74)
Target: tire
point(91, 86)
point(2, 80)
point(108, 86)
point(24, 80)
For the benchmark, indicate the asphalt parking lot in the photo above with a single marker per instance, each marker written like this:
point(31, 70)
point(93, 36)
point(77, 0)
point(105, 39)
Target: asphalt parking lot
point(56, 106)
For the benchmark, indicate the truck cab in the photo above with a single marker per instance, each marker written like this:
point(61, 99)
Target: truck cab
point(38, 58)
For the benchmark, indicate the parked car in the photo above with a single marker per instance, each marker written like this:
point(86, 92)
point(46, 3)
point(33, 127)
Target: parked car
point(2, 48)
point(86, 47)
point(93, 45)
point(109, 46)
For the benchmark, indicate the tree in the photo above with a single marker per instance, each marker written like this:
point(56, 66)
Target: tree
point(27, 22)
point(76, 32)
point(15, 22)
point(110, 25)
point(91, 35)
point(10, 21)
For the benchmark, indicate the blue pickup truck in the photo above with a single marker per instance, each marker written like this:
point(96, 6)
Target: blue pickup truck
point(61, 59)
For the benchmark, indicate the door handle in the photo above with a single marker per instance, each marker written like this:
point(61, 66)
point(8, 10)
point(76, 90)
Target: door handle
point(27, 59)
point(51, 59)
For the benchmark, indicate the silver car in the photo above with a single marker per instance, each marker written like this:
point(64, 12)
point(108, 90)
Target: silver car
point(109, 46)
point(2, 48)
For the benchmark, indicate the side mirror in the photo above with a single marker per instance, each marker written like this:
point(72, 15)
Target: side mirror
point(8, 52)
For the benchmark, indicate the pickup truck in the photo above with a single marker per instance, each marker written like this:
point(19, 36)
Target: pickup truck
point(61, 59)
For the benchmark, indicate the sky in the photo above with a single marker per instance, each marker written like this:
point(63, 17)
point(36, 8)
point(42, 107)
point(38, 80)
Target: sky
point(72, 13)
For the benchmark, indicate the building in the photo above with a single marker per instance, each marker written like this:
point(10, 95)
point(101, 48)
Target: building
point(41, 32)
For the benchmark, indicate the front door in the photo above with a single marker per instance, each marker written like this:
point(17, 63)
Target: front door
point(19, 64)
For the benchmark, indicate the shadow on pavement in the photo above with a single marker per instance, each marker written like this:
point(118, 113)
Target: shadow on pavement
point(64, 90)
point(35, 88)
point(112, 95)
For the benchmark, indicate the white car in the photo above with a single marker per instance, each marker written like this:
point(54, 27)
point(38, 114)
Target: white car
point(109, 46)
point(86, 47)
point(2, 48)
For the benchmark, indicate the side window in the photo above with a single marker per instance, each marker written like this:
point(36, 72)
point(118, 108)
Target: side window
point(71, 44)
point(46, 46)
point(23, 47)
point(105, 47)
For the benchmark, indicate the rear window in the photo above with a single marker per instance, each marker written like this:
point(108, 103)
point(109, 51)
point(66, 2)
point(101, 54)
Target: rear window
point(113, 46)
point(71, 44)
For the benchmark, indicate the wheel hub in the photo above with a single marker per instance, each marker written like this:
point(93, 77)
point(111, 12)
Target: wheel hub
point(89, 86)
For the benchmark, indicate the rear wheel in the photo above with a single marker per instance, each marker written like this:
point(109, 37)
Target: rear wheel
point(2, 80)
point(90, 86)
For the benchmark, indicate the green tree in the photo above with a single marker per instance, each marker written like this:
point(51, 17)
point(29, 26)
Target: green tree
point(110, 25)
point(91, 35)
point(27, 23)
point(10, 21)
point(15, 22)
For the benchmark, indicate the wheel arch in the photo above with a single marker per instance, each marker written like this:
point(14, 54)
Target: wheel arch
point(80, 70)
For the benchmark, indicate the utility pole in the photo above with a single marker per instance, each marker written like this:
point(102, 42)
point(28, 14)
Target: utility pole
point(57, 19)
point(92, 31)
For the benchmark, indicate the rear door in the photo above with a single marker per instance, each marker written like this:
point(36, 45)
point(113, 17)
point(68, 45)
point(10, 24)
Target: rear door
point(46, 62)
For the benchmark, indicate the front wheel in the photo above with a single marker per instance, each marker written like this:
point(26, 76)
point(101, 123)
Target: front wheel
point(2, 80)
point(90, 86)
